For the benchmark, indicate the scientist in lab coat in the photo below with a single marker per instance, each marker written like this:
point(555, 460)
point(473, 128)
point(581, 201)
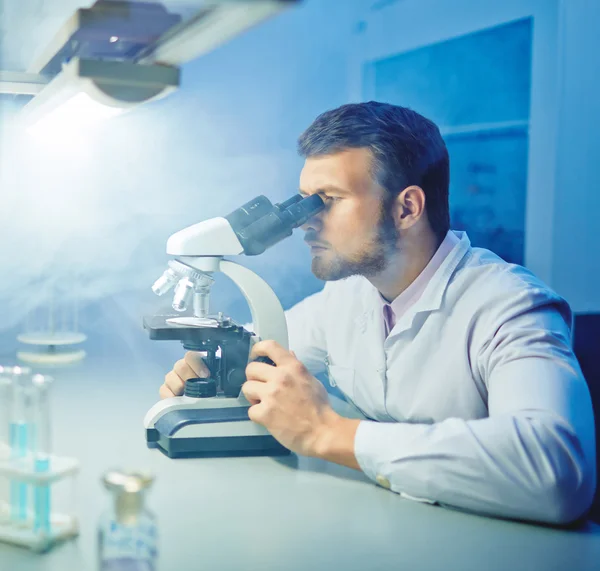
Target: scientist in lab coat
point(460, 363)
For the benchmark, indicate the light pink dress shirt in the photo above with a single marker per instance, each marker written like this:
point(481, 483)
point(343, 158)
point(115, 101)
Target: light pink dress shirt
point(393, 311)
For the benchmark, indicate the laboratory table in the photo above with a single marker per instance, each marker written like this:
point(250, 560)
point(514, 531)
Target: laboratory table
point(284, 514)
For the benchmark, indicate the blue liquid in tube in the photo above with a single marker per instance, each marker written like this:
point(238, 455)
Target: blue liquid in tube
point(18, 490)
point(41, 499)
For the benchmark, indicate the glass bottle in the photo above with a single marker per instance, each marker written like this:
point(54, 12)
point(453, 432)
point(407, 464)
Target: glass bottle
point(127, 533)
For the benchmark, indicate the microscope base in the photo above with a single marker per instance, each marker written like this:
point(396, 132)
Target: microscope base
point(218, 447)
point(182, 427)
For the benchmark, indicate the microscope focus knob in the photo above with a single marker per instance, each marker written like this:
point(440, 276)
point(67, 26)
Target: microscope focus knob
point(236, 377)
point(200, 388)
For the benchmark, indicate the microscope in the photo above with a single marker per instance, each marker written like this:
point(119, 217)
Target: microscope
point(211, 417)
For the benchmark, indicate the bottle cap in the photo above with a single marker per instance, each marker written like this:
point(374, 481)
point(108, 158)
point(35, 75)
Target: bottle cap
point(131, 481)
point(128, 487)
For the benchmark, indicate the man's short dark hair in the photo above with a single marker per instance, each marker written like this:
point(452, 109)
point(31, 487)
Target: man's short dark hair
point(407, 148)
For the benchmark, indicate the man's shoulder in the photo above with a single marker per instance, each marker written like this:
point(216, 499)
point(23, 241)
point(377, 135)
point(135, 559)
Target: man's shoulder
point(483, 267)
point(488, 281)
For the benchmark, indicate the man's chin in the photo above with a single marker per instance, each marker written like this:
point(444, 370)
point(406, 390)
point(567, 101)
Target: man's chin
point(328, 271)
point(330, 268)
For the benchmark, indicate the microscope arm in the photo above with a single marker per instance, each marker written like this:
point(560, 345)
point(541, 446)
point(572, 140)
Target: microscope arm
point(267, 313)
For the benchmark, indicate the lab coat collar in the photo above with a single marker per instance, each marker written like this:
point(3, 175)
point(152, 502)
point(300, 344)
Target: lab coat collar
point(432, 297)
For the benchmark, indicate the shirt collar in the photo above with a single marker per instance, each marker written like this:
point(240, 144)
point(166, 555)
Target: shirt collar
point(414, 291)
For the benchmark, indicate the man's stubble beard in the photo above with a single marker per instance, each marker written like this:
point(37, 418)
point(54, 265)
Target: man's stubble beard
point(370, 261)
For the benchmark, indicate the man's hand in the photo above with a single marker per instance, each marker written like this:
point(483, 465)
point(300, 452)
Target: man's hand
point(294, 407)
point(191, 366)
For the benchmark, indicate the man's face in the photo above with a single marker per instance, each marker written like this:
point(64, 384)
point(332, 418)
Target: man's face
point(355, 232)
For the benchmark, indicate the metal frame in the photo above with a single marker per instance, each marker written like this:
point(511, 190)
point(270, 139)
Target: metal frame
point(19, 83)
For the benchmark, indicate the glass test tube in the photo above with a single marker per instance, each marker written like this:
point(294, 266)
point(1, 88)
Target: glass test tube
point(5, 413)
point(5, 410)
point(19, 435)
point(41, 448)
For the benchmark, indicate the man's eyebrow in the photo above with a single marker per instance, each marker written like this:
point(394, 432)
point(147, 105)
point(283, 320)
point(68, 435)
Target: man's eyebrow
point(333, 188)
point(325, 188)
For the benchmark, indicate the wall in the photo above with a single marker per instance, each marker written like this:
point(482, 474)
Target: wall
point(576, 270)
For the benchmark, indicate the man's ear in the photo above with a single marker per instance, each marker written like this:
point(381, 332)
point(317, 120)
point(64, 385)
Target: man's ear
point(409, 207)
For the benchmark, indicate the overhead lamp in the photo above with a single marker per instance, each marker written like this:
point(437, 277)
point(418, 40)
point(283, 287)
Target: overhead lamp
point(88, 91)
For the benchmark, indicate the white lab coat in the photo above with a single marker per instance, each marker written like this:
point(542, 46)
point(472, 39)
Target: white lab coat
point(475, 400)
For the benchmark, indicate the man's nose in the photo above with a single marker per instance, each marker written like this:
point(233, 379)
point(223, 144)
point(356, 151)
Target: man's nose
point(314, 223)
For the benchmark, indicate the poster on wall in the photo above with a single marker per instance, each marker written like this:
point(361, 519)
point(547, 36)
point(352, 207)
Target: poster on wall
point(476, 88)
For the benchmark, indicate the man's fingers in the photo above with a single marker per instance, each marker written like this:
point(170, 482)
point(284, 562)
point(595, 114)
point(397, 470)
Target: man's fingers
point(165, 392)
point(196, 364)
point(259, 372)
point(254, 391)
point(184, 371)
point(174, 383)
point(257, 413)
point(190, 367)
point(271, 349)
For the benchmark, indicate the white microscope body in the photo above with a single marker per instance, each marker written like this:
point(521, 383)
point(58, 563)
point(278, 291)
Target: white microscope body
point(211, 418)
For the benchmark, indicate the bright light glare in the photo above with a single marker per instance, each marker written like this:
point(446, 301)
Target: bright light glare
point(113, 39)
point(75, 114)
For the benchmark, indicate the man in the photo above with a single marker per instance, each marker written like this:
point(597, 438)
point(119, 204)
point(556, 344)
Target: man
point(460, 362)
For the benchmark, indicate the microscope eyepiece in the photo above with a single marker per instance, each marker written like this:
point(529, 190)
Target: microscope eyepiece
point(305, 208)
point(259, 224)
point(287, 203)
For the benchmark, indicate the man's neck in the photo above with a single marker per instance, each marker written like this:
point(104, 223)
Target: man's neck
point(407, 262)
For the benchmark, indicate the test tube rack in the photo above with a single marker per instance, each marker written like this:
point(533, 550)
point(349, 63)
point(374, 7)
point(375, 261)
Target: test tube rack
point(60, 526)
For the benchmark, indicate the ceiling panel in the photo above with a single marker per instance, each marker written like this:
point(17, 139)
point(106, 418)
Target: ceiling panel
point(27, 26)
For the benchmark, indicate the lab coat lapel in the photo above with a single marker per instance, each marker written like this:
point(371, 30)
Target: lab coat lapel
point(369, 357)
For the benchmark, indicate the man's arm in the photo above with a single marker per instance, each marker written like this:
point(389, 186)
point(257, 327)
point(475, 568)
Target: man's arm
point(533, 458)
